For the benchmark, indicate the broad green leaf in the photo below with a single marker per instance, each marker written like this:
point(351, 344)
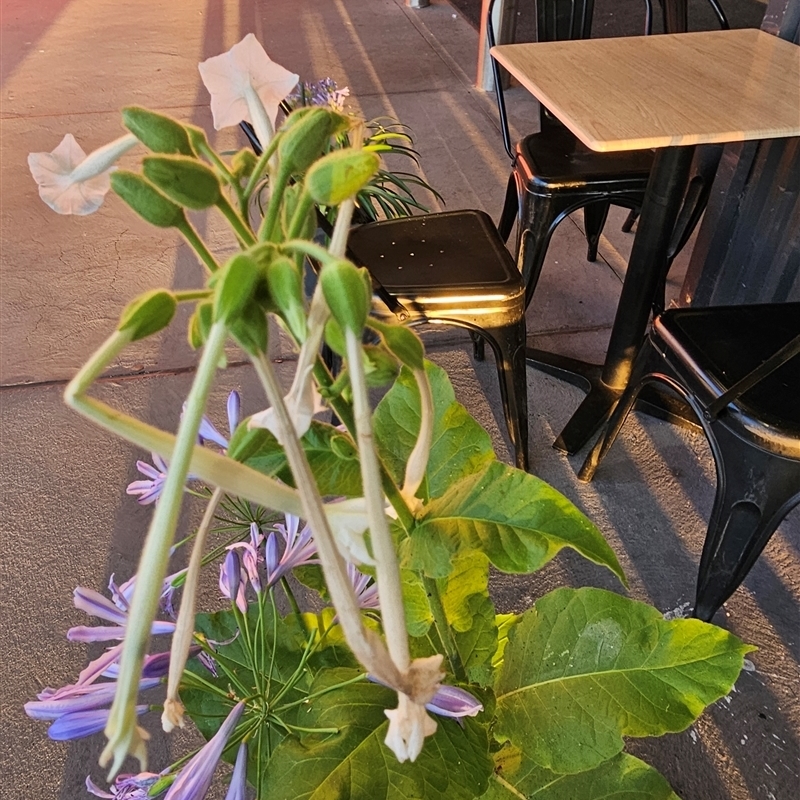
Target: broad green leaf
point(620, 778)
point(355, 763)
point(517, 520)
point(504, 622)
point(415, 603)
point(471, 614)
point(330, 455)
point(585, 667)
point(460, 445)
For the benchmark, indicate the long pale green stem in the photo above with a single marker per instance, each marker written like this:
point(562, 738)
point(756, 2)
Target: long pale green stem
point(366, 647)
point(341, 228)
point(215, 469)
point(155, 556)
point(386, 566)
point(418, 460)
point(243, 233)
point(199, 246)
point(184, 628)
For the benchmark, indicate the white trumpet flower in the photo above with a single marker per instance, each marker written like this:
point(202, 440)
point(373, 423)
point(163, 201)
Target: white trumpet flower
point(70, 182)
point(246, 84)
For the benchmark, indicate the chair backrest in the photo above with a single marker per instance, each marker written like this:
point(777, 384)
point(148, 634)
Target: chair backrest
point(556, 20)
point(559, 20)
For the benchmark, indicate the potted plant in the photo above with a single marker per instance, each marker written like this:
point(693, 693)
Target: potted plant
point(406, 683)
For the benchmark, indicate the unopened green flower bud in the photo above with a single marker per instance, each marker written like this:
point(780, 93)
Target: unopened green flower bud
point(402, 342)
point(235, 287)
point(286, 294)
point(340, 175)
point(243, 163)
point(334, 337)
point(250, 329)
point(348, 293)
point(185, 180)
point(159, 133)
point(148, 314)
point(304, 139)
point(200, 324)
point(295, 198)
point(380, 366)
point(146, 200)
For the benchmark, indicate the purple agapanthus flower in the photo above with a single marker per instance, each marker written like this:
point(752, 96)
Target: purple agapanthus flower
point(449, 701)
point(126, 787)
point(324, 92)
point(194, 779)
point(208, 431)
point(365, 588)
point(298, 549)
point(122, 594)
point(85, 698)
point(98, 606)
point(237, 790)
point(81, 724)
point(233, 579)
point(149, 490)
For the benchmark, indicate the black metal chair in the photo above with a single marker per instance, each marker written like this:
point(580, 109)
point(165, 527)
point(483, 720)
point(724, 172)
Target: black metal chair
point(450, 268)
point(453, 268)
point(554, 173)
point(738, 367)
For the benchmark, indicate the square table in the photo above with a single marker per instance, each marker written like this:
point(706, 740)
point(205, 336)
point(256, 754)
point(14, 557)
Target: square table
point(669, 92)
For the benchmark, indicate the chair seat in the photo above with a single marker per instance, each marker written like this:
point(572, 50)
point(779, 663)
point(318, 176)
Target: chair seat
point(455, 252)
point(556, 158)
point(719, 346)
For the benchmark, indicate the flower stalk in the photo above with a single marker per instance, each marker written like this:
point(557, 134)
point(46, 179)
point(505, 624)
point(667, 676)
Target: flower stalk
point(124, 736)
point(184, 628)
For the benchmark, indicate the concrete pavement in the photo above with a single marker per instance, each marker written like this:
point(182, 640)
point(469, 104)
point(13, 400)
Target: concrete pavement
point(68, 66)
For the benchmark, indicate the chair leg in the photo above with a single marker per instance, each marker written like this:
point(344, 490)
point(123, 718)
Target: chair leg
point(756, 489)
point(510, 208)
point(478, 348)
point(539, 217)
point(646, 362)
point(633, 215)
point(508, 344)
point(594, 218)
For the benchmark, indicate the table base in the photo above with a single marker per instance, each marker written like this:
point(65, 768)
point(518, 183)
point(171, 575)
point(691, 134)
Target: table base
point(600, 399)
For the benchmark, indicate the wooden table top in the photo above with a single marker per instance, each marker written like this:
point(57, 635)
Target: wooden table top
point(639, 92)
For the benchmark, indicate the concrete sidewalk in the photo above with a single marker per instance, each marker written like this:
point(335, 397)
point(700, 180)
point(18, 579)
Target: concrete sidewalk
point(68, 66)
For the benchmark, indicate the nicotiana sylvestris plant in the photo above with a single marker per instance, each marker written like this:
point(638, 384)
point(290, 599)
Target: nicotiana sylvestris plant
point(409, 684)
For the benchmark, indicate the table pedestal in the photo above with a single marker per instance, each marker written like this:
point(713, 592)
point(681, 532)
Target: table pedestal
point(646, 267)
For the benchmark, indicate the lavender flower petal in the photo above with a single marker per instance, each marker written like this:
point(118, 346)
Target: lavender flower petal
point(209, 433)
point(92, 697)
point(237, 790)
point(96, 605)
point(234, 411)
point(82, 724)
point(195, 778)
point(450, 701)
point(233, 579)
